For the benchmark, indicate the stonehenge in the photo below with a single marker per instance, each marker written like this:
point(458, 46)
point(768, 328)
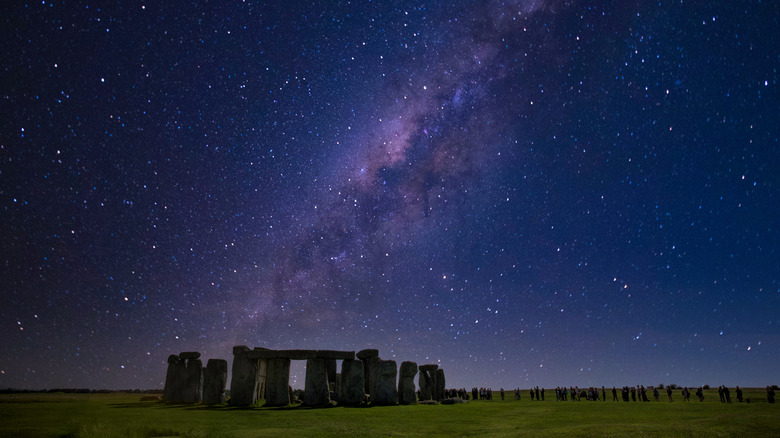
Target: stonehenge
point(262, 375)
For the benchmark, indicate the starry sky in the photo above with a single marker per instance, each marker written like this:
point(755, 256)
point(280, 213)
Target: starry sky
point(526, 192)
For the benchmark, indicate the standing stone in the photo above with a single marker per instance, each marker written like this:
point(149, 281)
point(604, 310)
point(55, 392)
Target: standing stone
point(406, 389)
point(277, 382)
point(214, 382)
point(316, 392)
point(370, 358)
point(440, 385)
point(386, 389)
point(175, 380)
point(427, 381)
point(352, 382)
point(193, 391)
point(244, 381)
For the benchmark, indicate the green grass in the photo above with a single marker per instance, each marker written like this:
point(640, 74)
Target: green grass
point(126, 415)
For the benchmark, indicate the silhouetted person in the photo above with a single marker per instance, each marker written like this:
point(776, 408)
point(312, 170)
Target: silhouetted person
point(669, 392)
point(727, 394)
point(542, 394)
point(603, 394)
point(532, 394)
point(537, 393)
point(770, 394)
point(502, 394)
point(700, 394)
point(739, 394)
point(721, 395)
point(614, 394)
point(656, 395)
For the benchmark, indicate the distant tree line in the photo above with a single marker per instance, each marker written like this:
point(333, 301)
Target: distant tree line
point(79, 391)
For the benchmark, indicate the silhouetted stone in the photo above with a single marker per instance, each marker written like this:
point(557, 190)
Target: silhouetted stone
point(244, 381)
point(214, 381)
point(367, 353)
point(175, 380)
point(335, 355)
point(277, 378)
point(439, 395)
point(316, 392)
point(352, 382)
point(371, 366)
point(406, 390)
point(193, 391)
point(386, 389)
point(427, 381)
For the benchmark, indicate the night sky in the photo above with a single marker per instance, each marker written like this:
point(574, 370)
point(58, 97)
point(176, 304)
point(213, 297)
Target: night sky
point(527, 192)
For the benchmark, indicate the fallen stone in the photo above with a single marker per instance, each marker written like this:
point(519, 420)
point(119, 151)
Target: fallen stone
point(453, 401)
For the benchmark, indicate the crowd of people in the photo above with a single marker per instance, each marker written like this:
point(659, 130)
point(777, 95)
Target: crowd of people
point(626, 393)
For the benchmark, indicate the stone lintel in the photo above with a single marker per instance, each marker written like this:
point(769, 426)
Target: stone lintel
point(239, 350)
point(297, 354)
point(261, 354)
point(335, 355)
point(368, 353)
point(265, 353)
point(429, 367)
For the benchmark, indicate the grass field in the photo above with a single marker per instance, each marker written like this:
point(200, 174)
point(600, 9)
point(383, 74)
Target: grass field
point(126, 415)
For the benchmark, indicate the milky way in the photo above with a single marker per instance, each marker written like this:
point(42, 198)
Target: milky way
point(525, 192)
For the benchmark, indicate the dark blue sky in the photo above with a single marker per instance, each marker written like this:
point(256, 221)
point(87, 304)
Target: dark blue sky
point(529, 192)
